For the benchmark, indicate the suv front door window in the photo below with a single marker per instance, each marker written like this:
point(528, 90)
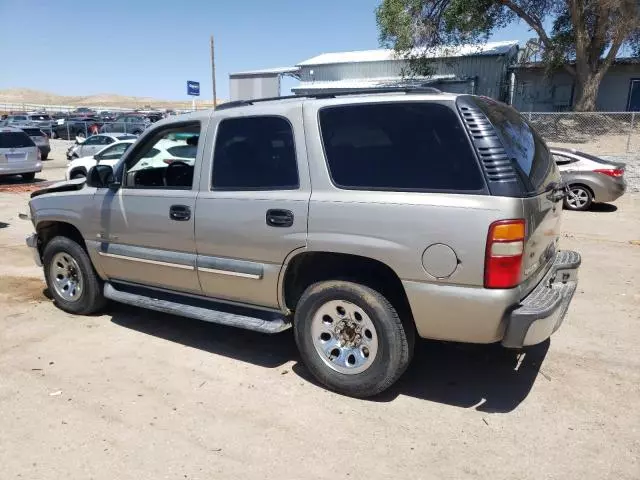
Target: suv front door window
point(148, 231)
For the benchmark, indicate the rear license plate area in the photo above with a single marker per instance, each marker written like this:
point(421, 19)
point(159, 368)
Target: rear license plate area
point(15, 157)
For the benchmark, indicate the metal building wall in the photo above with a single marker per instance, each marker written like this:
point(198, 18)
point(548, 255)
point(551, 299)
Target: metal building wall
point(536, 92)
point(249, 87)
point(488, 72)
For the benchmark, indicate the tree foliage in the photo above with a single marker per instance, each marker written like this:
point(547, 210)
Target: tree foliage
point(584, 39)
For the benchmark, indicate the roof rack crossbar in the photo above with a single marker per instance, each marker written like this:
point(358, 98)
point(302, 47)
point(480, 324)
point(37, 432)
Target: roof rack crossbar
point(340, 93)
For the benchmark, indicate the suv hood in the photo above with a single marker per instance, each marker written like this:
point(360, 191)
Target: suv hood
point(66, 186)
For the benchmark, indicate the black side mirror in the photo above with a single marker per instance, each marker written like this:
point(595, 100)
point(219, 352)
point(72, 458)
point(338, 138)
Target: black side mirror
point(101, 176)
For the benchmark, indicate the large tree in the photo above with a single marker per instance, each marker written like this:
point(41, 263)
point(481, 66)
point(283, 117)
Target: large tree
point(582, 36)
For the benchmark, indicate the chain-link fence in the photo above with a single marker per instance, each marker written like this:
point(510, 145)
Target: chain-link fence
point(612, 135)
point(598, 133)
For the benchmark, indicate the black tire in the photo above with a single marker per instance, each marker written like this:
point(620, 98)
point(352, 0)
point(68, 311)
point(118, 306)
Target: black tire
point(579, 199)
point(91, 298)
point(44, 156)
point(75, 175)
point(395, 342)
point(29, 177)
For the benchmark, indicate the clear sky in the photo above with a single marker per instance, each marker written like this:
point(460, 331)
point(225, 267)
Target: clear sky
point(152, 47)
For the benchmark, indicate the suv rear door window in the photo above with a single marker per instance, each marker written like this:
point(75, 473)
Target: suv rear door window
point(523, 144)
point(408, 146)
point(255, 153)
point(15, 140)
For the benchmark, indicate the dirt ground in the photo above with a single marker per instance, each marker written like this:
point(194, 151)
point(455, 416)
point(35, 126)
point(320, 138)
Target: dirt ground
point(140, 395)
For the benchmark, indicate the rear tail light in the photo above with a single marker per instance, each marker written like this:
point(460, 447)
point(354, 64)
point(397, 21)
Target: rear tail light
point(168, 161)
point(611, 172)
point(505, 247)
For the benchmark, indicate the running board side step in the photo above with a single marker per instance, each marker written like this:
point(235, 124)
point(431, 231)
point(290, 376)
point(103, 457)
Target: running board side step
point(199, 309)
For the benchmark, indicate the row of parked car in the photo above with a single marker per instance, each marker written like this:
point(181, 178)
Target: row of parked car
point(82, 123)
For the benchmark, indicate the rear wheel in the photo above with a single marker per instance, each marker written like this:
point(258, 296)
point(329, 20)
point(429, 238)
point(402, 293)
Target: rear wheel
point(44, 156)
point(351, 338)
point(579, 198)
point(72, 281)
point(29, 177)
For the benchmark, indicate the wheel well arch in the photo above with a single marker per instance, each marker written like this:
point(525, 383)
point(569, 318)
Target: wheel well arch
point(47, 230)
point(82, 170)
point(307, 268)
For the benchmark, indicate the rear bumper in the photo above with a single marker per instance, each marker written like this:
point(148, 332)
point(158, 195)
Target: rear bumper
point(18, 168)
point(541, 312)
point(614, 190)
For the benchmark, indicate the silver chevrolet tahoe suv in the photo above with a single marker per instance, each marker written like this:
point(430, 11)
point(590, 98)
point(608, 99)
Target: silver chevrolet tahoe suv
point(360, 220)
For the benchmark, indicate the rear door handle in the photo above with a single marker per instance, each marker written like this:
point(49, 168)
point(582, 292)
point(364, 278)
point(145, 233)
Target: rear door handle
point(279, 218)
point(180, 213)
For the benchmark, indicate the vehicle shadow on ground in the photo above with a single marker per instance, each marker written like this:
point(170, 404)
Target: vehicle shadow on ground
point(269, 351)
point(3, 225)
point(603, 208)
point(482, 376)
point(18, 180)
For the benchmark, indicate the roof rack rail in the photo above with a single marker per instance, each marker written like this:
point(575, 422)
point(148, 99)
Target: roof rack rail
point(340, 93)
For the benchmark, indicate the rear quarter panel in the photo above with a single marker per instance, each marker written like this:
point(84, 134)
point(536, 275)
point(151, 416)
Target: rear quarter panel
point(396, 228)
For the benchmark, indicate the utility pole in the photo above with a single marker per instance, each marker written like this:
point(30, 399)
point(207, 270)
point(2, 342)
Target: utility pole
point(213, 73)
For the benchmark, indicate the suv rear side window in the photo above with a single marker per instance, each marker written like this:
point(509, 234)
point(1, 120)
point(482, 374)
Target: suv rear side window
point(15, 140)
point(255, 153)
point(408, 146)
point(522, 143)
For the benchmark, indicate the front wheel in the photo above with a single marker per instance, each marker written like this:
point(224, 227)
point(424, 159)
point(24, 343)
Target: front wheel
point(72, 281)
point(351, 338)
point(29, 177)
point(579, 198)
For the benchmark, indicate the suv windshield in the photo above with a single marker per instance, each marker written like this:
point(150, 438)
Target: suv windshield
point(523, 144)
point(15, 140)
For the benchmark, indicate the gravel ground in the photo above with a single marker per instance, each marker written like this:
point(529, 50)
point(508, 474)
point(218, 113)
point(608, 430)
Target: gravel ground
point(133, 394)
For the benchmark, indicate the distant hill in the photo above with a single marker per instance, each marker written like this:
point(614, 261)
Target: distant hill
point(25, 96)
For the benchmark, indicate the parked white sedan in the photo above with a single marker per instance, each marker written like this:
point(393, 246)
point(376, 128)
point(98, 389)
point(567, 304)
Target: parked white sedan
point(164, 152)
point(79, 167)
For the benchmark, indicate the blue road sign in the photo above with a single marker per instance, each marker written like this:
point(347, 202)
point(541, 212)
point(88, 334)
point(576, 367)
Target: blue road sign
point(193, 88)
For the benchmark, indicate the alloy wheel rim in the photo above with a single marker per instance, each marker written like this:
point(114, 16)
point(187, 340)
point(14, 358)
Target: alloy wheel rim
point(578, 197)
point(344, 337)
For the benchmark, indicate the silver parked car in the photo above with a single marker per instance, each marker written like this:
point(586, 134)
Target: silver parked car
point(359, 220)
point(589, 178)
point(93, 144)
point(19, 155)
